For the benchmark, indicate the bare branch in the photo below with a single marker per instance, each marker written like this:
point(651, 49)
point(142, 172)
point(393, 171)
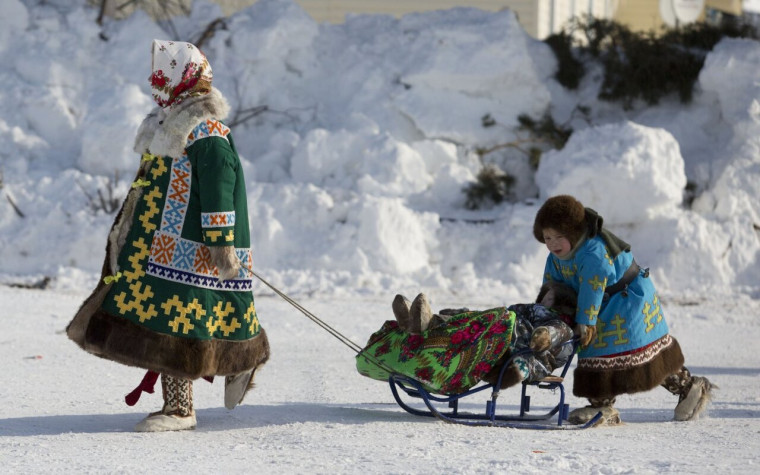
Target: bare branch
point(514, 144)
point(243, 115)
point(208, 33)
point(13, 204)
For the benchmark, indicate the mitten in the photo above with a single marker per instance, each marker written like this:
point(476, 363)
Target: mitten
point(540, 339)
point(226, 261)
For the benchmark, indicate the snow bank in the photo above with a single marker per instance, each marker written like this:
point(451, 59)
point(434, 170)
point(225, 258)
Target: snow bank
point(628, 172)
point(356, 164)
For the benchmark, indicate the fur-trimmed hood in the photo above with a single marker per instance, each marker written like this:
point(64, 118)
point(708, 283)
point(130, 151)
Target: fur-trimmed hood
point(164, 131)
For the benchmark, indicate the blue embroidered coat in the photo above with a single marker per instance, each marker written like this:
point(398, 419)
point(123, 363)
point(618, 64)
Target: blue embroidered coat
point(626, 321)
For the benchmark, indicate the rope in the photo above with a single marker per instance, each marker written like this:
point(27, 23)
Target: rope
point(342, 338)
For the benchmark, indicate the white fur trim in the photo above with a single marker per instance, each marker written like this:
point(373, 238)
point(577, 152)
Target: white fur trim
point(162, 422)
point(235, 388)
point(695, 401)
point(164, 131)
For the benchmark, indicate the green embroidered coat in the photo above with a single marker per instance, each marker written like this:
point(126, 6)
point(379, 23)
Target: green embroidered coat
point(160, 305)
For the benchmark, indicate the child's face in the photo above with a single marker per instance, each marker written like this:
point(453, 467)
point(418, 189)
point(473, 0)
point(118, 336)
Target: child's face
point(557, 243)
point(548, 300)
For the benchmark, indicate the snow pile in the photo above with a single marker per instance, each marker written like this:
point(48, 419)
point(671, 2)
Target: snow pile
point(638, 172)
point(355, 167)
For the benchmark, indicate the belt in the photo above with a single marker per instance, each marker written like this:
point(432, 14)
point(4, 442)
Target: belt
point(621, 285)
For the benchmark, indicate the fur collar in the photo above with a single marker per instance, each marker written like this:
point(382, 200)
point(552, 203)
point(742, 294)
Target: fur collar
point(164, 131)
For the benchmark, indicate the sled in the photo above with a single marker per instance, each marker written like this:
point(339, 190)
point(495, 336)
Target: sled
point(446, 407)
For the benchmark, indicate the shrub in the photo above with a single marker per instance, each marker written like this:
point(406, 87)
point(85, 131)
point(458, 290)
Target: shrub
point(492, 185)
point(570, 70)
point(641, 66)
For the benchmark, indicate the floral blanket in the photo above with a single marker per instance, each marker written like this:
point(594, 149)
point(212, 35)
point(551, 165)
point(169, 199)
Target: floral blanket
point(448, 359)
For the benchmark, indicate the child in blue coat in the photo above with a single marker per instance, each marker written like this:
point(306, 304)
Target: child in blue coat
point(626, 346)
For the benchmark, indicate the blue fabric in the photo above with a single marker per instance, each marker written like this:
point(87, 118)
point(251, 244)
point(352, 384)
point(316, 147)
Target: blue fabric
point(626, 321)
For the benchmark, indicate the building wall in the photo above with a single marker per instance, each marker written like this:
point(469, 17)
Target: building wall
point(539, 18)
point(554, 15)
point(644, 15)
point(334, 11)
point(639, 15)
point(733, 7)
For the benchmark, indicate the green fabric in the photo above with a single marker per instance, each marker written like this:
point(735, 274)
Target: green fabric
point(218, 173)
point(448, 359)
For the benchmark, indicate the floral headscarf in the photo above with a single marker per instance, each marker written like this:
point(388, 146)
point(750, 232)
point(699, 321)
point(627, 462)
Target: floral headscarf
point(180, 70)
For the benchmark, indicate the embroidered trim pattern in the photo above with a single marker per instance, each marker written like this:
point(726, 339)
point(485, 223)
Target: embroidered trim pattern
point(180, 260)
point(628, 359)
point(210, 128)
point(175, 209)
point(218, 220)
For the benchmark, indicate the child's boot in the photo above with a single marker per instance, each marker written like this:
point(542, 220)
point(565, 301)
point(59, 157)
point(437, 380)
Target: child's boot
point(420, 314)
point(401, 311)
point(610, 415)
point(177, 413)
point(694, 393)
point(236, 387)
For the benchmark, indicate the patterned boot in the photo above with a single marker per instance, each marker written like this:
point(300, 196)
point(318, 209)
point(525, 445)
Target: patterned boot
point(401, 311)
point(694, 393)
point(177, 413)
point(610, 415)
point(420, 315)
point(523, 367)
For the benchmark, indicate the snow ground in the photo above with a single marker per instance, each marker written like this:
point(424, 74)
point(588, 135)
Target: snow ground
point(311, 412)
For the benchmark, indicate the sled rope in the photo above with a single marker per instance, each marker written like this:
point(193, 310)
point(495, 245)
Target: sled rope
point(342, 338)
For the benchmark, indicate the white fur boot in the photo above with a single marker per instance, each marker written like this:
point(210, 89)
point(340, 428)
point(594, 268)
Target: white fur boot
point(401, 307)
point(695, 401)
point(236, 387)
point(420, 315)
point(610, 415)
point(177, 413)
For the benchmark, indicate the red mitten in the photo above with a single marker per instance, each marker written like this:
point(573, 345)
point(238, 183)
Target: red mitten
point(146, 385)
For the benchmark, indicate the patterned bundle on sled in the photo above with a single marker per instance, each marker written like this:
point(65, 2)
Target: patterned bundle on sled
point(448, 359)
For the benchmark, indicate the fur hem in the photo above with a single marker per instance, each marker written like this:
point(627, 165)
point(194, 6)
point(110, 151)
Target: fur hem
point(603, 384)
point(77, 328)
point(119, 340)
point(164, 131)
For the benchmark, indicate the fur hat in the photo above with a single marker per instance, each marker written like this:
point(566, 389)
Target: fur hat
point(564, 214)
point(565, 299)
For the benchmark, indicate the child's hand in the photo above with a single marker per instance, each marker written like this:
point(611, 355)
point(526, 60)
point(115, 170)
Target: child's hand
point(587, 334)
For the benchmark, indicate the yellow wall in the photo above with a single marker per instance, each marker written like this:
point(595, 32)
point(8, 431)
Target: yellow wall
point(534, 15)
point(335, 11)
point(644, 15)
point(734, 7)
point(639, 15)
